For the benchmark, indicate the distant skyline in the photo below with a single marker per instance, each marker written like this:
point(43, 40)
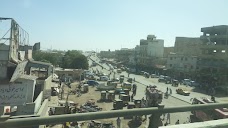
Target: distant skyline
point(112, 24)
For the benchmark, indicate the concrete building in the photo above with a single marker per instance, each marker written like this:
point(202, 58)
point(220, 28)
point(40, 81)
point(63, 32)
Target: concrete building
point(208, 53)
point(181, 66)
point(107, 54)
point(167, 51)
point(150, 50)
point(133, 59)
point(155, 47)
point(21, 92)
point(187, 45)
point(123, 54)
point(73, 74)
point(214, 57)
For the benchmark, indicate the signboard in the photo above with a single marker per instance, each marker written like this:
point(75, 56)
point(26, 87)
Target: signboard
point(15, 94)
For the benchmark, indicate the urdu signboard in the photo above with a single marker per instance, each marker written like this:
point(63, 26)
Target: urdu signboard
point(14, 94)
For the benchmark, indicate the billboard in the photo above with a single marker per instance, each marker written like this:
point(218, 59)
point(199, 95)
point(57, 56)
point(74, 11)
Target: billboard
point(14, 94)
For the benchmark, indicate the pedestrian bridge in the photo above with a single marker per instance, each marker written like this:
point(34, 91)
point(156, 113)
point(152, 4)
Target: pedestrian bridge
point(7, 122)
point(222, 123)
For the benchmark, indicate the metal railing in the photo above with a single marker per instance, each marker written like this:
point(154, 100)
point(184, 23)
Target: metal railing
point(58, 119)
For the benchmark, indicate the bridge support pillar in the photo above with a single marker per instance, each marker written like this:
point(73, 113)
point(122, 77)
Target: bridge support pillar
point(155, 120)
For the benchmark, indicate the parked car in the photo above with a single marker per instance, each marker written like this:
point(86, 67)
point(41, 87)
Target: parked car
point(146, 74)
point(92, 83)
point(182, 92)
point(104, 78)
point(168, 80)
point(154, 76)
point(186, 82)
point(161, 79)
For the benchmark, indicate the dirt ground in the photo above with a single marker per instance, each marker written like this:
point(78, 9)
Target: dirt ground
point(106, 106)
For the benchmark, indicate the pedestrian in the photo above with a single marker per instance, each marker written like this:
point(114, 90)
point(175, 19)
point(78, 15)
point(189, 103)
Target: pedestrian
point(134, 79)
point(50, 112)
point(167, 89)
point(178, 122)
point(163, 116)
point(134, 91)
point(168, 118)
point(132, 97)
point(170, 90)
point(118, 121)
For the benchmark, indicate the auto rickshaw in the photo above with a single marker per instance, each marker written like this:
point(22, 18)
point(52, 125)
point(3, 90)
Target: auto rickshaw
point(127, 85)
point(137, 103)
point(118, 104)
point(175, 83)
point(126, 91)
point(129, 80)
point(121, 79)
point(121, 93)
point(125, 98)
point(85, 88)
point(103, 95)
point(111, 95)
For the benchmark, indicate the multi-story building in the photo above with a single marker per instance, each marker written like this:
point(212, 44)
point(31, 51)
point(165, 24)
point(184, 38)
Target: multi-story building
point(187, 46)
point(21, 92)
point(167, 51)
point(150, 50)
point(123, 54)
point(181, 66)
point(208, 53)
point(107, 54)
point(214, 57)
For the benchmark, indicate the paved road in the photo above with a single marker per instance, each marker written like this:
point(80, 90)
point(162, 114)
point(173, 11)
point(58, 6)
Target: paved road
point(171, 101)
point(163, 87)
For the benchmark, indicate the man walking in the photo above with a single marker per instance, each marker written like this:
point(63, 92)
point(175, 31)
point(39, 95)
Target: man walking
point(168, 118)
point(118, 121)
point(170, 90)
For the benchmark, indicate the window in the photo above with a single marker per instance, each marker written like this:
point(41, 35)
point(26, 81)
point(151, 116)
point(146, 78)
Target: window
point(181, 58)
point(191, 67)
point(185, 66)
point(186, 58)
point(171, 58)
point(170, 65)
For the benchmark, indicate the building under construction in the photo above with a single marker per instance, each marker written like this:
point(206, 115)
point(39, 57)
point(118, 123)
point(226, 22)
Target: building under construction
point(202, 59)
point(213, 59)
point(21, 92)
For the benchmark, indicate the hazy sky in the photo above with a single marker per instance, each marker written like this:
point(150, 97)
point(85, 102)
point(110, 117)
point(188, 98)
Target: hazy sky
point(112, 24)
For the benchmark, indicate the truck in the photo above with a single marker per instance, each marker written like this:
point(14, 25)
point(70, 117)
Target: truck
point(206, 115)
point(153, 96)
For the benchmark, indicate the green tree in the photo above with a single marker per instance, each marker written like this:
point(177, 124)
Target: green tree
point(75, 59)
point(54, 58)
point(71, 59)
